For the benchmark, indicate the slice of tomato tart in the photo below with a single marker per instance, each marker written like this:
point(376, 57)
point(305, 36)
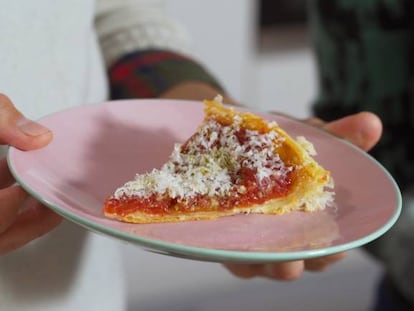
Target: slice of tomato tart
point(235, 163)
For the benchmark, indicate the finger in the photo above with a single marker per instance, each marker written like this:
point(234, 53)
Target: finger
point(6, 178)
point(284, 271)
point(31, 224)
point(11, 199)
point(322, 263)
point(245, 271)
point(18, 131)
point(363, 129)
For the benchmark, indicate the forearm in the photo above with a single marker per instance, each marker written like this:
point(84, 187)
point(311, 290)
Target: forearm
point(157, 73)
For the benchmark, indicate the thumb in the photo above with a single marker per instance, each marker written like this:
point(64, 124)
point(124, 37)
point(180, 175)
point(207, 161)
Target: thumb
point(362, 129)
point(18, 131)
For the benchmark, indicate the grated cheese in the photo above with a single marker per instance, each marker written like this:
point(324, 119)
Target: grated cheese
point(209, 163)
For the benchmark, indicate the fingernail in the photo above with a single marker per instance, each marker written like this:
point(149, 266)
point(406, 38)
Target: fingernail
point(31, 128)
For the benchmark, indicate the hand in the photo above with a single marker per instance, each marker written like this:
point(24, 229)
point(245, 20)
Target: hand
point(364, 130)
point(22, 219)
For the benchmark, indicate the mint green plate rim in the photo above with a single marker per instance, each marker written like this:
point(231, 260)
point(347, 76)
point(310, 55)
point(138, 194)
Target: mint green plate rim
point(218, 255)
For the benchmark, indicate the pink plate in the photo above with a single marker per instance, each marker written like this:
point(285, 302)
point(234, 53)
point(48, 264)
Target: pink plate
point(99, 147)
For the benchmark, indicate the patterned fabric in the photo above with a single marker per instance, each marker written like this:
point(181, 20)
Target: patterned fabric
point(365, 53)
point(149, 73)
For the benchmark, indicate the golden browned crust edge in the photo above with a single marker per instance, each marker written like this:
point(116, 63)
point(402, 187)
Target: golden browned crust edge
point(309, 191)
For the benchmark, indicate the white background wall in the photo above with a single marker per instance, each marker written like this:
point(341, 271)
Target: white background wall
point(223, 37)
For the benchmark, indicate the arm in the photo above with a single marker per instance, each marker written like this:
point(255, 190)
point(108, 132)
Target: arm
point(161, 69)
point(147, 53)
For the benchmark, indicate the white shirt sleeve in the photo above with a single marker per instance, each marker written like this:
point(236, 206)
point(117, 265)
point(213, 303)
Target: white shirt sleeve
point(124, 26)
